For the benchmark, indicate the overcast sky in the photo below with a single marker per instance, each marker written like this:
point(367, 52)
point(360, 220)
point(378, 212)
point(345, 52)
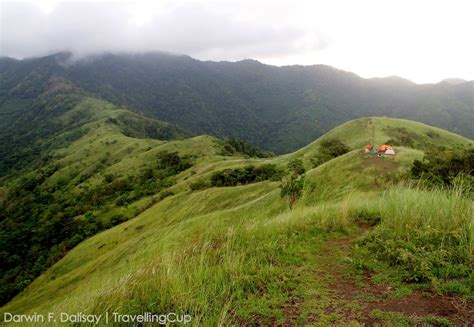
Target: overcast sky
point(424, 41)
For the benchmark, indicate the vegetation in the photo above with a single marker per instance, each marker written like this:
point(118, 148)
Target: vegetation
point(292, 185)
point(425, 235)
point(442, 166)
point(279, 109)
point(235, 146)
point(292, 189)
point(234, 255)
point(45, 220)
point(246, 175)
point(329, 149)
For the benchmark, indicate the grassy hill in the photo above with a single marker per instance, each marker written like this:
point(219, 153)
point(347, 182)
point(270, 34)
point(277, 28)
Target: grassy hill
point(238, 254)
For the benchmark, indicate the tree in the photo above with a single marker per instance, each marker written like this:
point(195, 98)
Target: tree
point(292, 189)
point(296, 167)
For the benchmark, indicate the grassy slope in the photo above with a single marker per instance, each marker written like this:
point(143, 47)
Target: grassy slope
point(220, 253)
point(102, 148)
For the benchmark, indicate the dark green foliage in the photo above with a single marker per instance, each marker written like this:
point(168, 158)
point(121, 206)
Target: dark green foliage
point(173, 162)
point(292, 189)
point(292, 186)
point(423, 255)
point(441, 166)
point(296, 167)
point(367, 218)
point(246, 175)
point(233, 146)
point(40, 225)
point(23, 133)
point(141, 127)
point(329, 149)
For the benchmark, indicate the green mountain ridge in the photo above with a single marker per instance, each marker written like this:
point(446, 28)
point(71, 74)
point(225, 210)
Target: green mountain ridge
point(216, 253)
point(275, 108)
point(104, 208)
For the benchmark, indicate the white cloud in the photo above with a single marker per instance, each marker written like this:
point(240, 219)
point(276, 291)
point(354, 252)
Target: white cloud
point(421, 40)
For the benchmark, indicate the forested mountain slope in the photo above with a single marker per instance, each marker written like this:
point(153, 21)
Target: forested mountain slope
point(276, 108)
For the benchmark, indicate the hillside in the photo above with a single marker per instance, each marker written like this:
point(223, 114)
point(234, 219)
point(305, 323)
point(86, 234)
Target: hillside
point(56, 152)
point(279, 109)
point(237, 254)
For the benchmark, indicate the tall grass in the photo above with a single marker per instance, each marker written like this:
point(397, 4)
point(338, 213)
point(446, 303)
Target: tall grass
point(216, 273)
point(404, 209)
point(426, 233)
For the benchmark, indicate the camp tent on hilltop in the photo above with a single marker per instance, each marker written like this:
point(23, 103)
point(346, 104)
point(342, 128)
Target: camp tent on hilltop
point(384, 147)
point(390, 152)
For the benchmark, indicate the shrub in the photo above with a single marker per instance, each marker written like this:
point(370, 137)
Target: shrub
point(367, 217)
point(296, 167)
point(442, 166)
point(329, 149)
point(423, 233)
point(292, 189)
point(246, 175)
point(172, 161)
point(233, 146)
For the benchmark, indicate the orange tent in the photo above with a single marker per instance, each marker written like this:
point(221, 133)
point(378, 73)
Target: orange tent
point(383, 147)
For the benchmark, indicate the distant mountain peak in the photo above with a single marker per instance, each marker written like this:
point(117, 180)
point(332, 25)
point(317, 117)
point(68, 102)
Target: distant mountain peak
point(393, 79)
point(453, 81)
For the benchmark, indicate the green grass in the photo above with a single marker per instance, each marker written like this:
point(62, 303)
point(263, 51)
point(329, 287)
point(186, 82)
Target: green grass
point(396, 319)
point(423, 236)
point(235, 254)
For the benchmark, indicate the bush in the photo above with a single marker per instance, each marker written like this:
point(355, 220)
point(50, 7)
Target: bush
point(422, 256)
point(233, 146)
point(367, 217)
point(440, 167)
point(292, 189)
point(172, 161)
point(296, 167)
point(423, 234)
point(329, 149)
point(246, 175)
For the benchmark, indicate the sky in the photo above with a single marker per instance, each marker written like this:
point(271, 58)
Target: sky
point(424, 41)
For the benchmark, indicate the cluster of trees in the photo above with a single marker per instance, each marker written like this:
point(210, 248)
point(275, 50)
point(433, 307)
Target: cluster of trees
point(292, 178)
point(440, 166)
point(246, 175)
point(329, 149)
point(23, 132)
point(40, 225)
point(134, 125)
point(232, 146)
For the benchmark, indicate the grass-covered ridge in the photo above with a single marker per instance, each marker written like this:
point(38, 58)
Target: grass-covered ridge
point(238, 254)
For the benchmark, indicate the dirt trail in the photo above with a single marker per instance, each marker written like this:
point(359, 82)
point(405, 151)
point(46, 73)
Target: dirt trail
point(353, 300)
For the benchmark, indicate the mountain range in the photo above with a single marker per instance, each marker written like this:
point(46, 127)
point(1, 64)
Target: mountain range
point(275, 108)
point(147, 183)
